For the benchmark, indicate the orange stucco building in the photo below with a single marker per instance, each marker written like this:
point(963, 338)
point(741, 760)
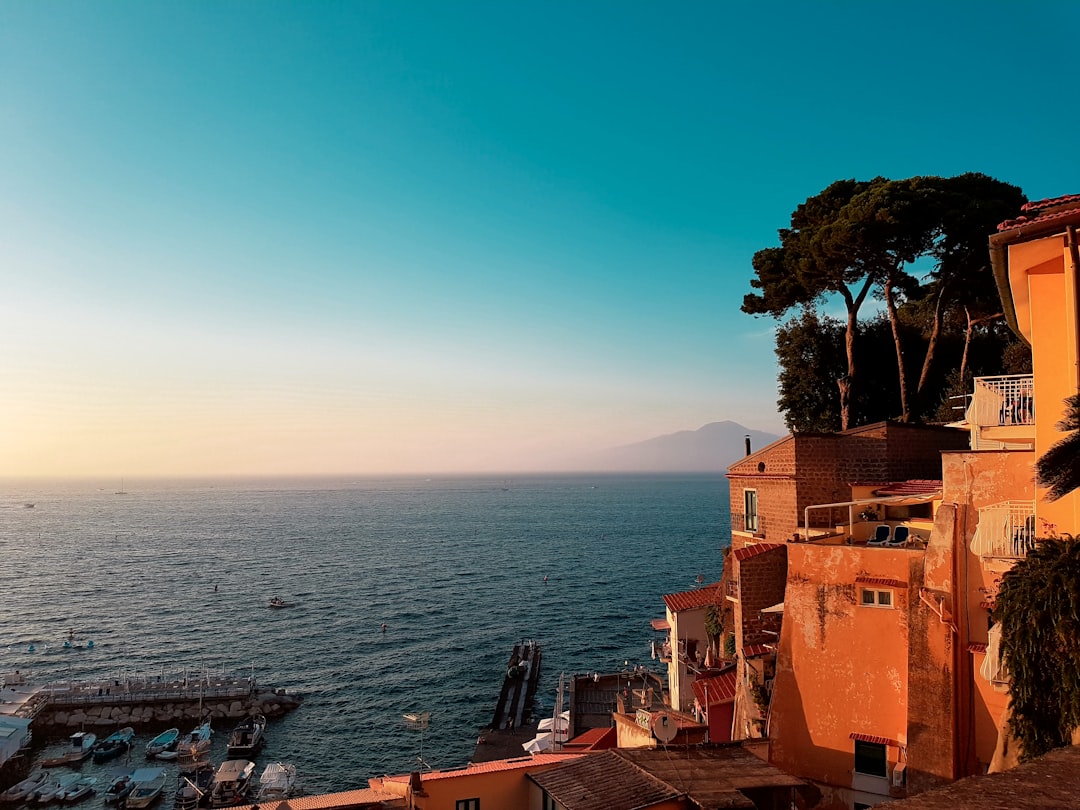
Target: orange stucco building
point(886, 679)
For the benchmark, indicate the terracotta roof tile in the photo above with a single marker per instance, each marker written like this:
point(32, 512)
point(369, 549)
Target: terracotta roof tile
point(871, 738)
point(699, 597)
point(494, 766)
point(331, 801)
point(977, 647)
point(755, 650)
point(889, 583)
point(746, 552)
point(1044, 211)
point(716, 689)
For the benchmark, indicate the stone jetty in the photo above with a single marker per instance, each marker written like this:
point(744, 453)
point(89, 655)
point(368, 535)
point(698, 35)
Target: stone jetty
point(114, 704)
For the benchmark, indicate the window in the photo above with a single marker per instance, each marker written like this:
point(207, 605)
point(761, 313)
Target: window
point(874, 597)
point(870, 758)
point(750, 509)
point(467, 804)
point(549, 803)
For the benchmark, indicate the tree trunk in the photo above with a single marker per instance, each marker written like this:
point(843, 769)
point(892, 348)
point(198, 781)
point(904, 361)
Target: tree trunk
point(847, 383)
point(894, 321)
point(931, 345)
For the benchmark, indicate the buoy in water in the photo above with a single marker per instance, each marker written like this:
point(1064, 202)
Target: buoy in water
point(30, 648)
point(90, 644)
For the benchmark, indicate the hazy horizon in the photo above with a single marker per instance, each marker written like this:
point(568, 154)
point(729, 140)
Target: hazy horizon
point(409, 238)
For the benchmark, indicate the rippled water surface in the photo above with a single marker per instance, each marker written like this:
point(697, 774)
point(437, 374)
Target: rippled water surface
point(172, 575)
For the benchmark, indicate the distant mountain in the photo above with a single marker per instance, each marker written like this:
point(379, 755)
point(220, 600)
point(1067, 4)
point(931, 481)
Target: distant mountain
point(712, 448)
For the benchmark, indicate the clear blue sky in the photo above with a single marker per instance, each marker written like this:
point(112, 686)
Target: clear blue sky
point(284, 237)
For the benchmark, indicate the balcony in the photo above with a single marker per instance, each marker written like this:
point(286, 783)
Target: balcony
point(1006, 530)
point(1002, 412)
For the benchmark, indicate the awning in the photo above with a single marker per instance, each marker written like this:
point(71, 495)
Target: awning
point(660, 625)
point(777, 608)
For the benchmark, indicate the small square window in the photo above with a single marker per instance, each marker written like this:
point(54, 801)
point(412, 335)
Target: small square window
point(875, 597)
point(467, 804)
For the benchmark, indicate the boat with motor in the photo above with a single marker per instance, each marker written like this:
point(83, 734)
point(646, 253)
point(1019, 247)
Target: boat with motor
point(165, 741)
point(22, 789)
point(53, 787)
point(117, 743)
point(247, 738)
point(232, 783)
point(82, 787)
point(193, 787)
point(118, 788)
point(149, 782)
point(277, 782)
point(80, 746)
point(194, 746)
point(280, 603)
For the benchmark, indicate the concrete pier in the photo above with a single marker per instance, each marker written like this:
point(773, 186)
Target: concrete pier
point(513, 723)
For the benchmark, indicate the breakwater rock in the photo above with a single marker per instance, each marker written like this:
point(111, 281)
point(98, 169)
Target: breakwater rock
point(63, 714)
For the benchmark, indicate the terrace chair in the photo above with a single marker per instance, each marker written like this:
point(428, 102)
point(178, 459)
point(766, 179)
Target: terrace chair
point(881, 535)
point(899, 537)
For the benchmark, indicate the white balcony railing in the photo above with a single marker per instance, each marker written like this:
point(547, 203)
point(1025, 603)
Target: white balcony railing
point(1005, 529)
point(1003, 401)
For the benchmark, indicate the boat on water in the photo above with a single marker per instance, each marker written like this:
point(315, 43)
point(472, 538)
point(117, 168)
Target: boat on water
point(165, 741)
point(247, 738)
point(51, 788)
point(81, 788)
point(193, 787)
point(232, 783)
point(193, 746)
point(118, 788)
point(277, 782)
point(24, 788)
point(280, 603)
point(149, 782)
point(117, 743)
point(80, 746)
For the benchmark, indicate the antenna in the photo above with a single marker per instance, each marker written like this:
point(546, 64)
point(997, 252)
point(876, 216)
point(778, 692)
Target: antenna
point(419, 721)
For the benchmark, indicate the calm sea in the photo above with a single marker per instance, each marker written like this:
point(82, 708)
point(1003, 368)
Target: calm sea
point(168, 575)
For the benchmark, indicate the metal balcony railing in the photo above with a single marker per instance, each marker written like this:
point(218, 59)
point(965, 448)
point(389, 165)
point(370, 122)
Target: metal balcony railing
point(754, 524)
point(1006, 529)
point(1002, 401)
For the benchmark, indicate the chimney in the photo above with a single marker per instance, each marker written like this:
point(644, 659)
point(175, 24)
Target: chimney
point(747, 440)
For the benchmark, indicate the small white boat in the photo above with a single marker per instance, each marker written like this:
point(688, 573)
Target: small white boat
point(118, 788)
point(232, 783)
point(78, 790)
point(280, 603)
point(24, 788)
point(149, 782)
point(52, 788)
point(277, 782)
point(165, 741)
point(80, 746)
point(193, 787)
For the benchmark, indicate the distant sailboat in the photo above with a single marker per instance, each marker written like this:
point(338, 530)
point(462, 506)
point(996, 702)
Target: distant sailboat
point(121, 491)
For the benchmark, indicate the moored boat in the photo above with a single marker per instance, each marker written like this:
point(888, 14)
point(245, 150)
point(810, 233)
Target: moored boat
point(193, 787)
point(277, 782)
point(80, 746)
point(280, 603)
point(165, 741)
point(117, 743)
point(247, 738)
point(232, 783)
point(78, 790)
point(118, 788)
point(149, 782)
point(24, 788)
point(194, 746)
point(51, 788)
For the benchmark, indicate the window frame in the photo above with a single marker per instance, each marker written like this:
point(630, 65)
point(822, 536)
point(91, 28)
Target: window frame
point(750, 510)
point(880, 753)
point(467, 804)
point(888, 603)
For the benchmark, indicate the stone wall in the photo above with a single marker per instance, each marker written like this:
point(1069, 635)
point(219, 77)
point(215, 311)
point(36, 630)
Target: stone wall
point(62, 720)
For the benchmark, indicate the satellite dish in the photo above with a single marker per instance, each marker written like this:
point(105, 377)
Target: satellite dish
point(663, 728)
